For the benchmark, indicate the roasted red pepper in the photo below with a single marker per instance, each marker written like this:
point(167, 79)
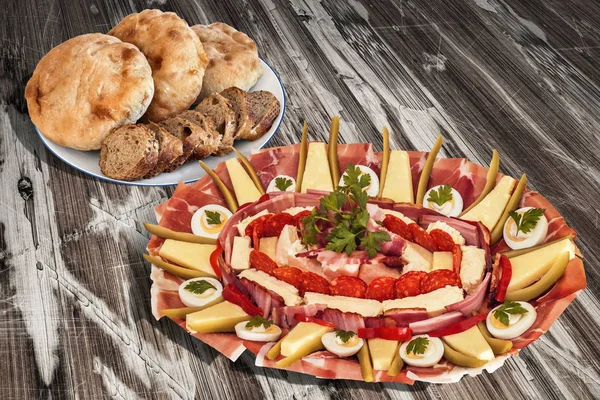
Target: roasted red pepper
point(402, 334)
point(506, 268)
point(304, 318)
point(233, 295)
point(458, 327)
point(214, 260)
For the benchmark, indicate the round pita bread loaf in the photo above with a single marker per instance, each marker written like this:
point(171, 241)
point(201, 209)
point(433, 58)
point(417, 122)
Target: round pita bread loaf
point(87, 86)
point(175, 54)
point(232, 58)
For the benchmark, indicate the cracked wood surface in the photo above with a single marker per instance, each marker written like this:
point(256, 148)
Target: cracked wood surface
point(521, 77)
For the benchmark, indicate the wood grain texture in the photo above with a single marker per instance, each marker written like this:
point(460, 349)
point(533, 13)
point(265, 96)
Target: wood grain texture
point(521, 77)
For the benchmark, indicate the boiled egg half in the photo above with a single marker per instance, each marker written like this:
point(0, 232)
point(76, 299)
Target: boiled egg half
point(518, 323)
point(424, 351)
point(199, 292)
point(373, 188)
point(519, 240)
point(208, 221)
point(282, 183)
point(334, 342)
point(258, 330)
point(450, 208)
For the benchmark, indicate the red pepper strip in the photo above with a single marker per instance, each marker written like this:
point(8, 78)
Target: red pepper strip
point(402, 334)
point(214, 260)
point(233, 295)
point(505, 278)
point(304, 318)
point(459, 326)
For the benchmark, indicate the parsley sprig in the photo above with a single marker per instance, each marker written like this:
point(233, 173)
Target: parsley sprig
point(441, 196)
point(199, 287)
point(508, 307)
point(417, 346)
point(342, 216)
point(213, 217)
point(527, 220)
point(344, 335)
point(257, 321)
point(282, 183)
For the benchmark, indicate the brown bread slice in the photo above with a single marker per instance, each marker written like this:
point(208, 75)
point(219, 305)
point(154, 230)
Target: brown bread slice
point(217, 107)
point(239, 103)
point(263, 108)
point(129, 152)
point(194, 138)
point(169, 149)
point(206, 123)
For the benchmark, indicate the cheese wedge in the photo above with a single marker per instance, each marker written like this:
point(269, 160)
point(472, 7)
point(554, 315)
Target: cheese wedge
point(434, 302)
point(490, 209)
point(221, 317)
point(472, 343)
point(398, 181)
point(417, 258)
point(191, 255)
point(268, 246)
point(442, 260)
point(243, 186)
point(382, 352)
point(530, 267)
point(364, 307)
point(317, 174)
point(303, 339)
point(240, 254)
point(472, 267)
point(285, 290)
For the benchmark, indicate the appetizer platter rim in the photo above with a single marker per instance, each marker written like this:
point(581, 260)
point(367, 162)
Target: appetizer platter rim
point(201, 173)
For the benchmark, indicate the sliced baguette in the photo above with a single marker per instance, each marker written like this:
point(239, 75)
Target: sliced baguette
point(194, 138)
point(239, 104)
point(263, 108)
point(129, 152)
point(206, 123)
point(169, 149)
point(217, 107)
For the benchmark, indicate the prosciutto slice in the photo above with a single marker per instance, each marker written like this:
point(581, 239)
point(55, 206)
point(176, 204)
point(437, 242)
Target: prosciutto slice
point(414, 211)
point(417, 163)
point(380, 322)
point(358, 154)
point(465, 177)
point(347, 321)
point(269, 163)
point(406, 316)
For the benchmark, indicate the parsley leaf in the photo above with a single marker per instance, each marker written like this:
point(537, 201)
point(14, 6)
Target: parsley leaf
point(213, 217)
point(341, 240)
point(344, 335)
point(257, 321)
point(282, 183)
point(199, 287)
point(371, 242)
point(417, 346)
point(508, 307)
point(441, 196)
point(527, 220)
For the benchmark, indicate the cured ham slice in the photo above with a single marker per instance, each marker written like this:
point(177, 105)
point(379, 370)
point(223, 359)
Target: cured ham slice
point(336, 264)
point(406, 316)
point(417, 163)
point(465, 177)
point(284, 316)
point(358, 154)
point(413, 211)
point(380, 322)
point(262, 297)
point(277, 161)
point(370, 272)
point(347, 321)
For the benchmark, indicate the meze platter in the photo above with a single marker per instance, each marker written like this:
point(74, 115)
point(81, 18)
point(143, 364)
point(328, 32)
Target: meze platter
point(343, 263)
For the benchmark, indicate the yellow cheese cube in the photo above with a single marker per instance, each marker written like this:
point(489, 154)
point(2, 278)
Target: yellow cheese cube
point(317, 174)
point(191, 255)
point(268, 246)
point(303, 339)
point(530, 267)
point(245, 190)
point(382, 352)
point(489, 211)
point(398, 181)
point(471, 343)
point(221, 317)
point(442, 260)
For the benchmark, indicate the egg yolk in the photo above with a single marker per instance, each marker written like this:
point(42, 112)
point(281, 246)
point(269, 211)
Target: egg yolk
point(513, 319)
point(351, 342)
point(511, 231)
point(210, 228)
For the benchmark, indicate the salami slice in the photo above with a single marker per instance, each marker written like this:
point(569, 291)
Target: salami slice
point(409, 284)
point(312, 282)
point(299, 217)
point(456, 258)
point(422, 238)
point(350, 286)
point(381, 289)
point(255, 229)
point(262, 262)
point(290, 275)
point(438, 279)
point(443, 241)
point(399, 227)
point(274, 225)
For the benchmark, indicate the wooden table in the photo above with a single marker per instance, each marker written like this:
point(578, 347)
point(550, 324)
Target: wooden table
point(75, 316)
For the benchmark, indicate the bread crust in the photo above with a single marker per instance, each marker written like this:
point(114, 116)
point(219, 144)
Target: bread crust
point(175, 54)
point(232, 58)
point(239, 103)
point(86, 87)
point(169, 149)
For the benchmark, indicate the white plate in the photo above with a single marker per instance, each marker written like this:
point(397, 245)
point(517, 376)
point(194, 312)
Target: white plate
point(87, 161)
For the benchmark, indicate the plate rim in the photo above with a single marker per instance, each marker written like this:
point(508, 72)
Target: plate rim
point(136, 183)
